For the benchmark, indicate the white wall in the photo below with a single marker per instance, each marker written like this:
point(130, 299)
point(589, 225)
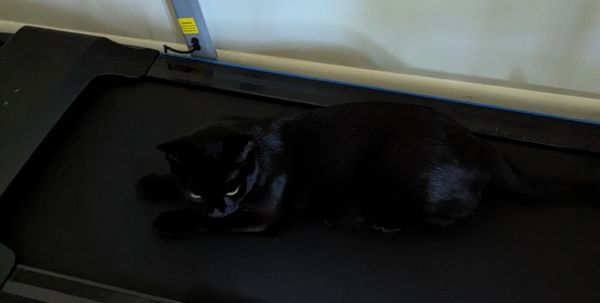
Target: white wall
point(510, 42)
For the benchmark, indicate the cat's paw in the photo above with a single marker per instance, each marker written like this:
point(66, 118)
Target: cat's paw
point(155, 187)
point(179, 223)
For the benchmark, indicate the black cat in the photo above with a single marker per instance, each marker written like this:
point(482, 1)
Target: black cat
point(382, 165)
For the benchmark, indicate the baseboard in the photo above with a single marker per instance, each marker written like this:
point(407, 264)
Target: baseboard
point(569, 105)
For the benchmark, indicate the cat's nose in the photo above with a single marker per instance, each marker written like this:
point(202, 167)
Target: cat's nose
point(216, 213)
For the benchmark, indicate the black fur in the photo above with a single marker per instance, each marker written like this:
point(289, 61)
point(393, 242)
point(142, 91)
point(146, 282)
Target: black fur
point(380, 165)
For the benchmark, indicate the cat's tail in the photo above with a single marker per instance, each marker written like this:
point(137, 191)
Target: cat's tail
point(509, 178)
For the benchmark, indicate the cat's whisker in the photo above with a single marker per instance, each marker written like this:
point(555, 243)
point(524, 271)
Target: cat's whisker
point(248, 209)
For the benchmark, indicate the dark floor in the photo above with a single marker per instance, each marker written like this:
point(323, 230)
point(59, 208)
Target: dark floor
point(79, 216)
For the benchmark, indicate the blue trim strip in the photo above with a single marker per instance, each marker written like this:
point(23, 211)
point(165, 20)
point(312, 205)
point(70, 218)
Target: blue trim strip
point(382, 89)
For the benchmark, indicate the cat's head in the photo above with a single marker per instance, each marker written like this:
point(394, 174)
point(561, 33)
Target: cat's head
point(215, 169)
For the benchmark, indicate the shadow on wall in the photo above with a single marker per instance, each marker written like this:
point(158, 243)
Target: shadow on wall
point(549, 47)
point(491, 46)
point(587, 13)
point(370, 55)
point(365, 53)
point(565, 48)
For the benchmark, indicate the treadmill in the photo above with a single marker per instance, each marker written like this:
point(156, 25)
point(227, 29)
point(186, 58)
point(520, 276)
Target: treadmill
point(79, 120)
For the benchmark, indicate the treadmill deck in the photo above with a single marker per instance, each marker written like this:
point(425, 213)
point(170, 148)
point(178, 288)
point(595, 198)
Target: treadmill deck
point(77, 214)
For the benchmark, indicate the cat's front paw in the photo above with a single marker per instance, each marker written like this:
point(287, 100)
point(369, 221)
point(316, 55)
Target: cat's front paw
point(179, 223)
point(155, 187)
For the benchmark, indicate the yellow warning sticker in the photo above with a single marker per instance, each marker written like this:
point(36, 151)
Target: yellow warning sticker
point(188, 25)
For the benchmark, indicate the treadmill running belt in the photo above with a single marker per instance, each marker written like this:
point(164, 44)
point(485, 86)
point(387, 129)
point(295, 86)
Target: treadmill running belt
point(78, 214)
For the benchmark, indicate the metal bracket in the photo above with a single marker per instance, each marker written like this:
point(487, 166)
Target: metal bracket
point(193, 27)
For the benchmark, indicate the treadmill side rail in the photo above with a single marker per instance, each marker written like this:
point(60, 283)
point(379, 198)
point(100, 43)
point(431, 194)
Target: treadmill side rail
point(42, 73)
point(7, 262)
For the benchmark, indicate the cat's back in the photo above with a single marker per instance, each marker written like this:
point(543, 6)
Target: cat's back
point(339, 135)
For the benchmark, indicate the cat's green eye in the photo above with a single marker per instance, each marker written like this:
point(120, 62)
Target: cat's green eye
point(233, 192)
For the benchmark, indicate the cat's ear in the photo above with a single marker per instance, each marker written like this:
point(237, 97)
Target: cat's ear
point(242, 147)
point(176, 147)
